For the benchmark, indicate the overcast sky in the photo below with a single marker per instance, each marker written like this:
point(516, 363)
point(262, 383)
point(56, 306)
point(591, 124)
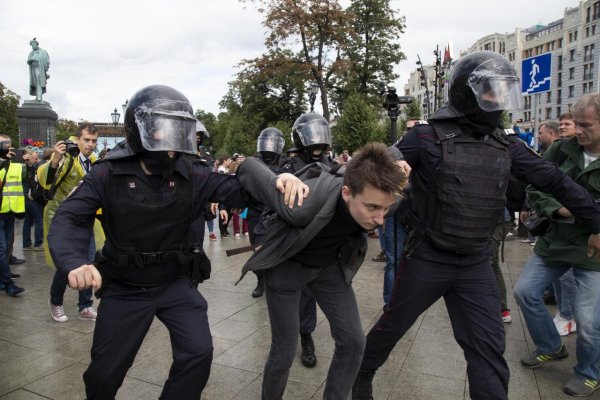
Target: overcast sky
point(102, 52)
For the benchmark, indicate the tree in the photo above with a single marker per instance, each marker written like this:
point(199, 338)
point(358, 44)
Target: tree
point(413, 111)
point(65, 128)
point(374, 50)
point(358, 125)
point(319, 27)
point(9, 101)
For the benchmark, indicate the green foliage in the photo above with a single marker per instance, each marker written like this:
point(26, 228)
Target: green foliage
point(65, 128)
point(413, 111)
point(359, 124)
point(373, 50)
point(209, 120)
point(505, 118)
point(9, 101)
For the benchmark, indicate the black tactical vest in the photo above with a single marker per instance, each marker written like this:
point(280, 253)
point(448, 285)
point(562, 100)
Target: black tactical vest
point(460, 205)
point(147, 235)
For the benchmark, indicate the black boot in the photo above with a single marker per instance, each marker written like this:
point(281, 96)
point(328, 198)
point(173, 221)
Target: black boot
point(260, 287)
point(308, 357)
point(363, 385)
point(260, 284)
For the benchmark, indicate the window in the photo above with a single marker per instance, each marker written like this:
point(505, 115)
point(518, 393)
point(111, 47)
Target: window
point(588, 71)
point(588, 14)
point(559, 97)
point(588, 52)
point(558, 111)
point(548, 113)
point(571, 91)
point(587, 31)
point(559, 63)
point(572, 55)
point(559, 83)
point(593, 29)
point(572, 73)
point(548, 97)
point(560, 43)
point(596, 6)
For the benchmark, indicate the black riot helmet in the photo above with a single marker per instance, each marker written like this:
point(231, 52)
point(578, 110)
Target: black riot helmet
point(311, 130)
point(270, 140)
point(201, 134)
point(483, 81)
point(160, 118)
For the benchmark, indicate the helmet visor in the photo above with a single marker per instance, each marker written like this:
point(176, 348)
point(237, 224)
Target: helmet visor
point(272, 144)
point(313, 132)
point(164, 126)
point(495, 92)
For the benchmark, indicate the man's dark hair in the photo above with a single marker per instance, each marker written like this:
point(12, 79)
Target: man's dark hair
point(92, 130)
point(566, 115)
point(373, 165)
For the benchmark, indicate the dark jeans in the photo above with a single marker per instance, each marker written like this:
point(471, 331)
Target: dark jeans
point(33, 218)
point(59, 284)
point(307, 311)
point(7, 229)
point(470, 291)
point(124, 317)
point(283, 287)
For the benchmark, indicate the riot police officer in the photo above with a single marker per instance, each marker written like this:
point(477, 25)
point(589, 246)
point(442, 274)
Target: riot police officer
point(460, 164)
point(312, 140)
point(149, 195)
point(269, 148)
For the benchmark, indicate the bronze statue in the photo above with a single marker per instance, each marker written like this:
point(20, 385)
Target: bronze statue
point(39, 62)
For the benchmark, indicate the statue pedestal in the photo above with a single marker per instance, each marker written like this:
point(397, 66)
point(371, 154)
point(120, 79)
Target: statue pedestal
point(37, 121)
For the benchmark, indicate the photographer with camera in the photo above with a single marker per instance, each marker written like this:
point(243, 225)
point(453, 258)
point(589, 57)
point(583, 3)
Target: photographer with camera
point(71, 160)
point(12, 204)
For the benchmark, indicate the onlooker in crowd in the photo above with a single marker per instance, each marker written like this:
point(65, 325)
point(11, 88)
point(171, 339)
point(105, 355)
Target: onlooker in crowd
point(12, 175)
point(564, 246)
point(320, 245)
point(33, 208)
point(566, 125)
point(70, 162)
point(223, 168)
point(460, 169)
point(547, 134)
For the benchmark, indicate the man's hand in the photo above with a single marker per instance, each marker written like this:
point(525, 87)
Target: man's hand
point(564, 212)
point(405, 167)
point(523, 215)
point(594, 246)
point(224, 216)
point(292, 188)
point(60, 148)
point(84, 277)
point(214, 207)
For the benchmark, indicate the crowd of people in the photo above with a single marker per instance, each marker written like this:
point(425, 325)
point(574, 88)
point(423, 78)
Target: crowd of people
point(439, 196)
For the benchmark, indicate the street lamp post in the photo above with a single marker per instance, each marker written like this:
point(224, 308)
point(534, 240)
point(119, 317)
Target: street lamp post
point(391, 102)
point(312, 95)
point(124, 107)
point(115, 117)
point(421, 69)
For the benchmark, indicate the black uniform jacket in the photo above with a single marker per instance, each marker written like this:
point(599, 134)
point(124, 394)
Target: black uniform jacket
point(74, 219)
point(423, 153)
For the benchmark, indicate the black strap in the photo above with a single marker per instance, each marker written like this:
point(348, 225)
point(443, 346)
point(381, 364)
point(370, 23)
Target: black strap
point(55, 183)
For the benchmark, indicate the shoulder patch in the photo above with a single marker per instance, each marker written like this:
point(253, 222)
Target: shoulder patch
point(509, 131)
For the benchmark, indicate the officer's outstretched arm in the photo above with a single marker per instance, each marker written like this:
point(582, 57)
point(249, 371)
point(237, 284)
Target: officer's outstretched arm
point(594, 246)
point(84, 277)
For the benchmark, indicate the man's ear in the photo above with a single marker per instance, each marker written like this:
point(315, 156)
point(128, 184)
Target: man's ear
point(346, 193)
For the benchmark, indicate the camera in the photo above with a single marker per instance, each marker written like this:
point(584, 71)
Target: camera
point(4, 148)
point(72, 148)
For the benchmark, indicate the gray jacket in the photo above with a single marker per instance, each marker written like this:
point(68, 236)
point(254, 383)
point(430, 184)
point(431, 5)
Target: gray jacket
point(291, 229)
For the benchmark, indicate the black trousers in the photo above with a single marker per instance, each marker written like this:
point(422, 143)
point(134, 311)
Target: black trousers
point(124, 317)
point(469, 288)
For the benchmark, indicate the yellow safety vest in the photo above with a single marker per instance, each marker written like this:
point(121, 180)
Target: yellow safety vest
point(13, 197)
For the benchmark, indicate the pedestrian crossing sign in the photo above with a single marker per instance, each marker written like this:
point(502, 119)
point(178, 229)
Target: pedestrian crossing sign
point(536, 73)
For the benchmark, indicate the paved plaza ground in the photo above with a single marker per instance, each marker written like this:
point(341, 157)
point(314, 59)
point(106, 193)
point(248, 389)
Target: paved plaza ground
point(43, 359)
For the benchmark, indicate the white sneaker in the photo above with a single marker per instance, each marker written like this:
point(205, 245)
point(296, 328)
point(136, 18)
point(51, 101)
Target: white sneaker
point(57, 312)
point(88, 313)
point(237, 236)
point(564, 326)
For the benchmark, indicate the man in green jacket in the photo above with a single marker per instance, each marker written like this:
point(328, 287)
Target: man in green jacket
point(565, 245)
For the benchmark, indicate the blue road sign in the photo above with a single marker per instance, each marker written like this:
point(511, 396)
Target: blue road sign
point(536, 74)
